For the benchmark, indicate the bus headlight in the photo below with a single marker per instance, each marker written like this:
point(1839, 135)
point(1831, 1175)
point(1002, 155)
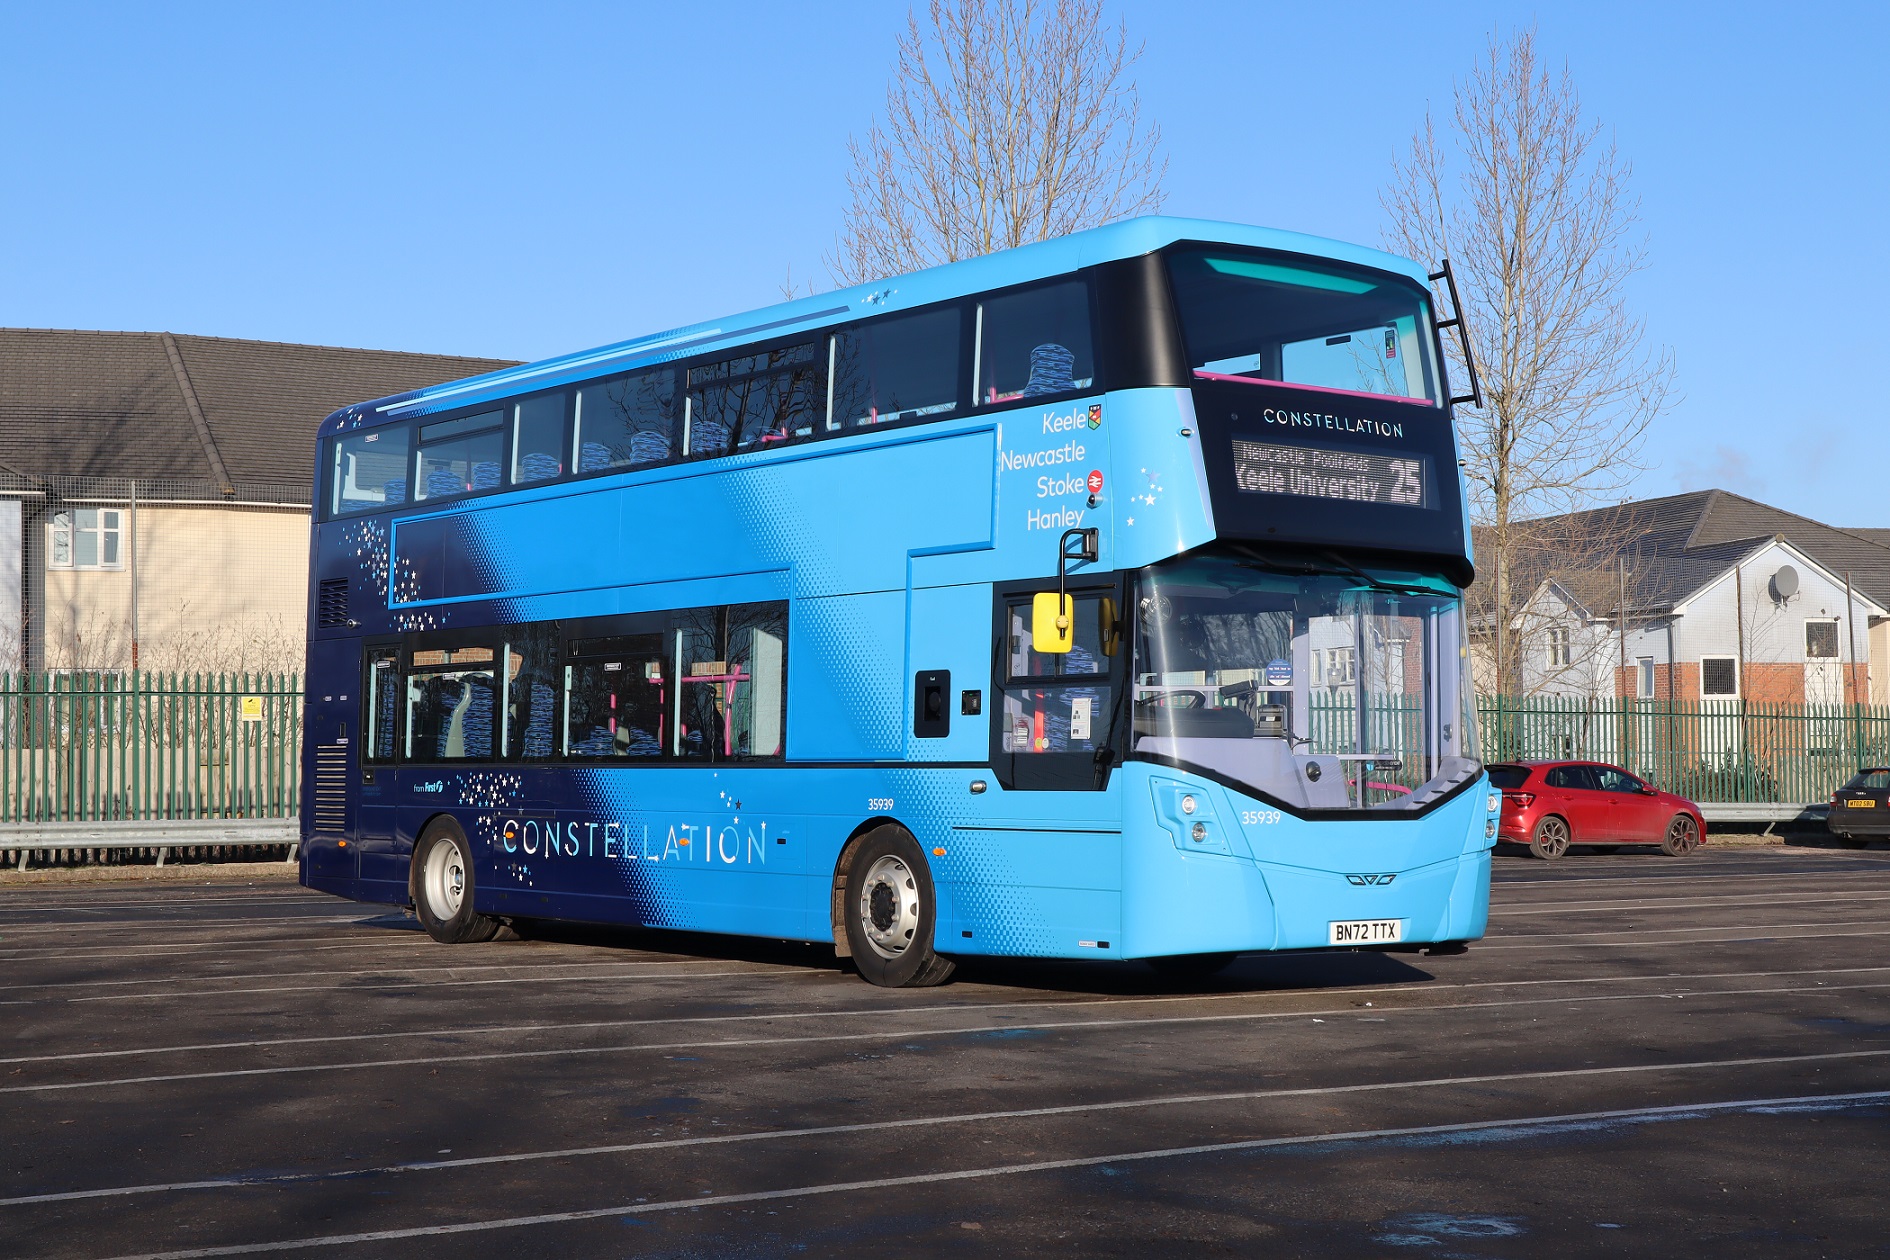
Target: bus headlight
point(1188, 807)
point(1496, 802)
point(1199, 831)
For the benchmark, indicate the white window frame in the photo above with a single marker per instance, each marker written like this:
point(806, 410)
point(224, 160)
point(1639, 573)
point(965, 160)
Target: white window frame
point(66, 526)
point(1559, 647)
point(1644, 677)
point(1737, 680)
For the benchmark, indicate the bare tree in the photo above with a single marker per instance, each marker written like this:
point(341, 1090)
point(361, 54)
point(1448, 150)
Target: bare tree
point(1007, 121)
point(1531, 203)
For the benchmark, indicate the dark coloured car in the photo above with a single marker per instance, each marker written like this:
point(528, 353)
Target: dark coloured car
point(1550, 805)
point(1860, 810)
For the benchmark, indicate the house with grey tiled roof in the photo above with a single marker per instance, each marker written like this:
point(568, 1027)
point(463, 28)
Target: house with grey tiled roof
point(1712, 596)
point(155, 488)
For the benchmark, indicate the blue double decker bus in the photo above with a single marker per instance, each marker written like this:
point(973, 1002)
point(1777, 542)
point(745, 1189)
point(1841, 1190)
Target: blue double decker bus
point(1096, 599)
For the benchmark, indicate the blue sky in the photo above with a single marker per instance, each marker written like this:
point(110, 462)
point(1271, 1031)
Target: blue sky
point(524, 180)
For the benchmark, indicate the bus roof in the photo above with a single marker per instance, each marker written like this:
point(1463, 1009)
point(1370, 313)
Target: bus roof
point(1128, 239)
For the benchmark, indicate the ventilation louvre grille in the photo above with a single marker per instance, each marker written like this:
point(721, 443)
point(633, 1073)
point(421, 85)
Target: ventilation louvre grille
point(331, 787)
point(331, 603)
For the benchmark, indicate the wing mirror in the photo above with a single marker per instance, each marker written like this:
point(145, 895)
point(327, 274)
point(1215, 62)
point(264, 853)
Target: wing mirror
point(1052, 623)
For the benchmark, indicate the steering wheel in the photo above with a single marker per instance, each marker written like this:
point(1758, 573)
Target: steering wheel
point(1177, 700)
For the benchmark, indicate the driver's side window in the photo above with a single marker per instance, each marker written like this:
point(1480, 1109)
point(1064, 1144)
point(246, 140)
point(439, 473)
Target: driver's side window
point(1059, 702)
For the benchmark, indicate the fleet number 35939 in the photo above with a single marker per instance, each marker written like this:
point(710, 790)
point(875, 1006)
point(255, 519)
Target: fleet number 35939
point(1259, 815)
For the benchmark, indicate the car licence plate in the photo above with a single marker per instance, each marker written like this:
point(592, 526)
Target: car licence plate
point(1365, 932)
point(1861, 804)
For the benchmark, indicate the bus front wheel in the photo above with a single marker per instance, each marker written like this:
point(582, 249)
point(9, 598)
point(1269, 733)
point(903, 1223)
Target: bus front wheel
point(443, 888)
point(891, 911)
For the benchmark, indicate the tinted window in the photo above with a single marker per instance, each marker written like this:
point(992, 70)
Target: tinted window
point(369, 471)
point(731, 682)
point(780, 399)
point(380, 726)
point(895, 369)
point(1569, 777)
point(1044, 713)
point(1870, 781)
point(1034, 343)
point(530, 715)
point(450, 704)
point(617, 691)
point(1719, 676)
point(626, 421)
point(460, 456)
point(1508, 776)
point(1269, 317)
point(538, 445)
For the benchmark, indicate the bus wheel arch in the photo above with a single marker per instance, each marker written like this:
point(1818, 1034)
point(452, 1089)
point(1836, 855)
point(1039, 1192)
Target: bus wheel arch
point(886, 908)
point(440, 880)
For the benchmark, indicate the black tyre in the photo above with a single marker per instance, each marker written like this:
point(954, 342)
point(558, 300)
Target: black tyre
point(1191, 966)
point(1683, 836)
point(1550, 839)
point(443, 887)
point(891, 912)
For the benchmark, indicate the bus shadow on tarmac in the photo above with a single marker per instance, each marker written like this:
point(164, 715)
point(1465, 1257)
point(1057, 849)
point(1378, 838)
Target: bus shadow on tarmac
point(1282, 972)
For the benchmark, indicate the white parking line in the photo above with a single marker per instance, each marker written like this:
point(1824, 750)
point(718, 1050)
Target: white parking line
point(1519, 1125)
point(944, 1008)
point(920, 1122)
point(907, 1033)
point(1642, 942)
point(1642, 933)
point(450, 969)
point(1676, 903)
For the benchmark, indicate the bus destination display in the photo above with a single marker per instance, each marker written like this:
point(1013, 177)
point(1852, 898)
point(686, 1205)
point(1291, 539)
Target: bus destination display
point(1318, 472)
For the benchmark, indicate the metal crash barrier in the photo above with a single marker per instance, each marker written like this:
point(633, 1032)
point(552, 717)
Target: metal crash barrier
point(51, 841)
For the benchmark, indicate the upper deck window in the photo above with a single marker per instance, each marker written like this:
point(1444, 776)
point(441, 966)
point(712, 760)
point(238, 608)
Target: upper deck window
point(755, 400)
point(458, 456)
point(540, 449)
point(1034, 344)
point(1272, 317)
point(369, 471)
point(899, 368)
point(627, 421)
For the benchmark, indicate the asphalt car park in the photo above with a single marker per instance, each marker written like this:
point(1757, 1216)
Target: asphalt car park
point(1647, 1055)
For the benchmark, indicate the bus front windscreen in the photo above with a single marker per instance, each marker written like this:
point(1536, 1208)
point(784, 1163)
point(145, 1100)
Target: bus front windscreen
point(1256, 316)
point(1318, 690)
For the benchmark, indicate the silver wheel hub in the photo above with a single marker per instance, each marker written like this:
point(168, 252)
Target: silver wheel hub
point(443, 880)
point(889, 906)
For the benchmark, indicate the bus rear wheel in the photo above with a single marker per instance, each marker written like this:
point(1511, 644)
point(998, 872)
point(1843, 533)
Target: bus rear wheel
point(443, 888)
point(891, 911)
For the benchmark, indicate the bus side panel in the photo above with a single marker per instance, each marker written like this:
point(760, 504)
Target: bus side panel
point(845, 694)
point(1051, 894)
point(938, 621)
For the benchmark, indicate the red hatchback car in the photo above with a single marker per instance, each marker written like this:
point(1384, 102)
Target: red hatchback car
point(1549, 805)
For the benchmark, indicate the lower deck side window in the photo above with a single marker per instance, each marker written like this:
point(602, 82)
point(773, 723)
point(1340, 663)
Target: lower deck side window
point(696, 684)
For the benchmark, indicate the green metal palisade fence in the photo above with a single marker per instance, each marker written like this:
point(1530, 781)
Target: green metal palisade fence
point(102, 747)
point(1721, 751)
point(97, 747)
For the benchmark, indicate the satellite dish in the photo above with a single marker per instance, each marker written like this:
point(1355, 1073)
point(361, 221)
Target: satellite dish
point(1785, 582)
